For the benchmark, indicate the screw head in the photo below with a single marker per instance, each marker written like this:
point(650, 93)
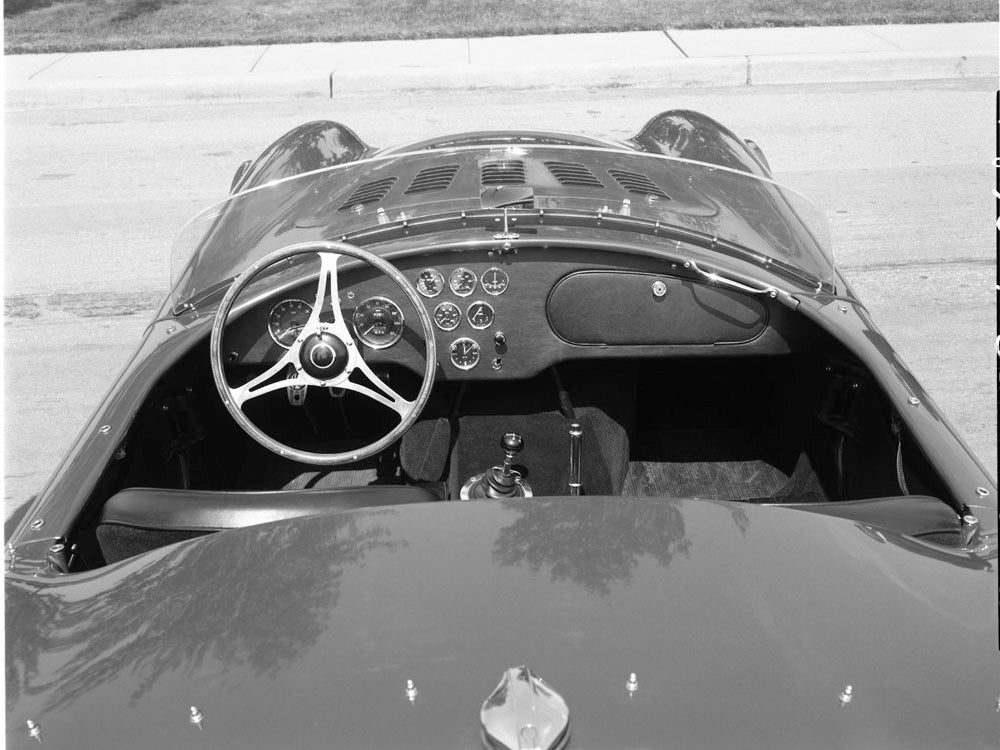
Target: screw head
point(982, 491)
point(842, 308)
point(847, 695)
point(658, 288)
point(632, 683)
point(913, 401)
point(37, 524)
point(104, 429)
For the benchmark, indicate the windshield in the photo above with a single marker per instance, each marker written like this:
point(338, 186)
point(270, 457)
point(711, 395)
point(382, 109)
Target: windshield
point(757, 219)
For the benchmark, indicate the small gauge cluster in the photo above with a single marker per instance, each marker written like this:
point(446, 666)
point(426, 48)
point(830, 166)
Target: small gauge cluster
point(378, 321)
point(463, 282)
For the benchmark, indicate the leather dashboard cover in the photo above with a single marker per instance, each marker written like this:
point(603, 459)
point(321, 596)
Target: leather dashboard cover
point(620, 308)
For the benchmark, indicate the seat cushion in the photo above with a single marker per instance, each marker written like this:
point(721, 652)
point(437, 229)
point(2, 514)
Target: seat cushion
point(206, 510)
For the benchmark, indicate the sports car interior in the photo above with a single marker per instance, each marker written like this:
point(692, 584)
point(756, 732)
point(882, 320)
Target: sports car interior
point(558, 371)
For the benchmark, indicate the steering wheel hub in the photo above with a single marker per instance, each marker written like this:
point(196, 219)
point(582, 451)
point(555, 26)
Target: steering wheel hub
point(323, 355)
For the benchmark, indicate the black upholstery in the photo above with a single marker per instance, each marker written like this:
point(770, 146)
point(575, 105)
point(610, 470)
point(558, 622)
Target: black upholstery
point(203, 510)
point(140, 519)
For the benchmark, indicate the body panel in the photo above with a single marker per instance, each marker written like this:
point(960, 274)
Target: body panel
point(305, 632)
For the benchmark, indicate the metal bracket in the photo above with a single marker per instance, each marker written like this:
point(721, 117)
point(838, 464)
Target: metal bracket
point(506, 234)
point(296, 393)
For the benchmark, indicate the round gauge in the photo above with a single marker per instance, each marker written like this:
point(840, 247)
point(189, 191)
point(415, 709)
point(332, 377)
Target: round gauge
point(464, 353)
point(430, 282)
point(462, 282)
point(495, 281)
point(480, 315)
point(286, 320)
point(378, 322)
point(447, 316)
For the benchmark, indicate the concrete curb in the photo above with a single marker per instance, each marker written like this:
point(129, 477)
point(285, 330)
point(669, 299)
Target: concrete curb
point(673, 73)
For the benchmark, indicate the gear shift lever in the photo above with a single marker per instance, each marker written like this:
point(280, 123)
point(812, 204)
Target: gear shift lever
point(502, 480)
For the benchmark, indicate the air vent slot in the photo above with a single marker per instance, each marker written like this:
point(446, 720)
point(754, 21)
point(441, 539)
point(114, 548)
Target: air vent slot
point(370, 192)
point(432, 179)
point(505, 172)
point(570, 173)
point(634, 182)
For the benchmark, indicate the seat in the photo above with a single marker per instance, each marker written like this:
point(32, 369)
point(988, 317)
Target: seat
point(138, 519)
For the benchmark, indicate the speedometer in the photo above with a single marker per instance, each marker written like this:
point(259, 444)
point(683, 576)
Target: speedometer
point(286, 319)
point(378, 322)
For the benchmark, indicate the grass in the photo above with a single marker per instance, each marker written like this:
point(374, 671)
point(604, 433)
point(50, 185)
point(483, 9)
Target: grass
point(77, 25)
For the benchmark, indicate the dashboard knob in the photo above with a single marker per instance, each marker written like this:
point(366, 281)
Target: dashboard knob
point(499, 338)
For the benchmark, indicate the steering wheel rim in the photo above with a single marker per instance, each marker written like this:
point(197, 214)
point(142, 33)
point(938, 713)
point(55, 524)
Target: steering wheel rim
point(319, 341)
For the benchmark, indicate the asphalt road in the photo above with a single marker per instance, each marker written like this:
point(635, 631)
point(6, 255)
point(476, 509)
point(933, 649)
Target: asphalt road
point(95, 197)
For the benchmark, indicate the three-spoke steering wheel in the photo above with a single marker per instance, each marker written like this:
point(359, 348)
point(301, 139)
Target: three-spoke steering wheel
point(323, 354)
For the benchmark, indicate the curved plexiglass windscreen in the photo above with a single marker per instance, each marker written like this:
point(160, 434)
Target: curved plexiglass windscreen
point(768, 224)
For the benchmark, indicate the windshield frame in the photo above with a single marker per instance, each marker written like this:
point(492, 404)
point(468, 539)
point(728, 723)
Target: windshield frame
point(442, 215)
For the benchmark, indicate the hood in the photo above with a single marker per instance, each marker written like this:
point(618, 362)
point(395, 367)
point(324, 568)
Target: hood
point(743, 625)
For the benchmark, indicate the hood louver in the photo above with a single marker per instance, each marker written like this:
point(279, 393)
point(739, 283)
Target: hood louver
point(432, 179)
point(370, 192)
point(507, 172)
point(570, 173)
point(633, 182)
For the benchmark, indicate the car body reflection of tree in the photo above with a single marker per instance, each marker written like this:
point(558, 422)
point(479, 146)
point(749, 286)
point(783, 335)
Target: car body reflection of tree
point(593, 544)
point(239, 598)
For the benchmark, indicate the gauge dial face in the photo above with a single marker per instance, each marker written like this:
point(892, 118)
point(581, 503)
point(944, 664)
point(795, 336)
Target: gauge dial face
point(447, 316)
point(430, 282)
point(480, 315)
point(286, 320)
point(495, 281)
point(465, 353)
point(378, 322)
point(462, 281)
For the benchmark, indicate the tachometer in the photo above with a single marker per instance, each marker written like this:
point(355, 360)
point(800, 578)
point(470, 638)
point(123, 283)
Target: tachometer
point(286, 319)
point(495, 281)
point(480, 315)
point(378, 322)
point(465, 353)
point(430, 282)
point(447, 316)
point(462, 281)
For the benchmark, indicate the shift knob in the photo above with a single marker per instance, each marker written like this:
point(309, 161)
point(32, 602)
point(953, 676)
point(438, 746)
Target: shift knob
point(512, 443)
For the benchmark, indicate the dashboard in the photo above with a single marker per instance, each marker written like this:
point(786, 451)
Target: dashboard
point(513, 315)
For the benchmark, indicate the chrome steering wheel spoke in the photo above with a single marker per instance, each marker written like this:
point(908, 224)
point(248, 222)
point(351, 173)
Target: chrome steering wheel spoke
point(381, 393)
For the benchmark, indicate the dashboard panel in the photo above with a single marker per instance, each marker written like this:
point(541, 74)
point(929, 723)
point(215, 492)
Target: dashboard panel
point(513, 315)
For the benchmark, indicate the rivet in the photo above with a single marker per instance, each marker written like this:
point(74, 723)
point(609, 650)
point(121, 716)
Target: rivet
point(411, 691)
point(773, 293)
point(842, 308)
point(913, 401)
point(171, 329)
point(37, 523)
point(982, 491)
point(34, 731)
point(687, 264)
point(658, 288)
point(104, 429)
point(196, 717)
point(350, 295)
point(847, 696)
point(632, 683)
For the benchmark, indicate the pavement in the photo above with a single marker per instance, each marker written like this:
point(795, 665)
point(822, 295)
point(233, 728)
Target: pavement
point(671, 58)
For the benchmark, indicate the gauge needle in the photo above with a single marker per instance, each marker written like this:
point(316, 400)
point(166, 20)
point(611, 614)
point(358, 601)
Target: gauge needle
point(370, 329)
